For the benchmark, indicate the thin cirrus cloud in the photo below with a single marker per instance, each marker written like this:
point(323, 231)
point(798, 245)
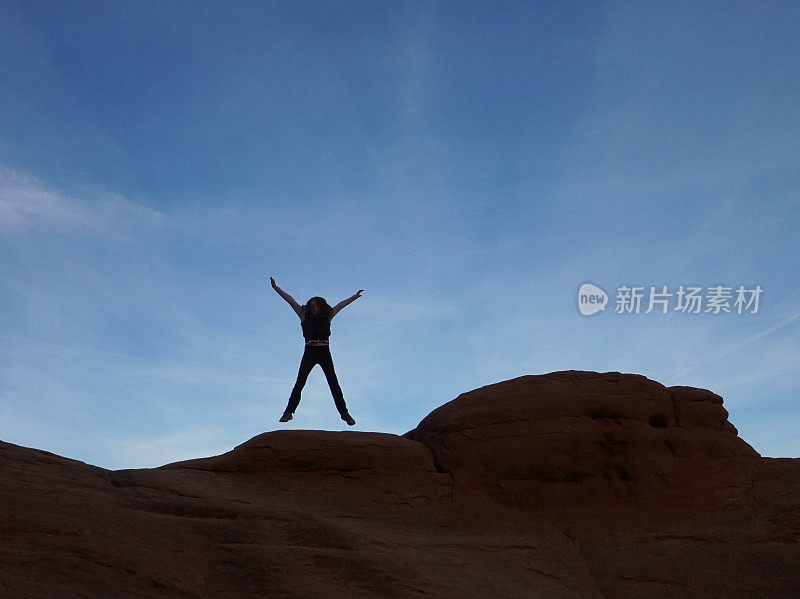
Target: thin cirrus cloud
point(27, 203)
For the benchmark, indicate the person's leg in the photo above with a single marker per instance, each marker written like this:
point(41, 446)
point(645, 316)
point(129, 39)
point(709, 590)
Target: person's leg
point(326, 361)
point(307, 362)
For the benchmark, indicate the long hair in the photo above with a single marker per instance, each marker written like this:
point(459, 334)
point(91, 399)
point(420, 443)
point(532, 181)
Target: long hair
point(322, 306)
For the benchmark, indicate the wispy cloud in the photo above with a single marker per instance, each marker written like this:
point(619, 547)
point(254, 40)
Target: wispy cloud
point(730, 348)
point(27, 203)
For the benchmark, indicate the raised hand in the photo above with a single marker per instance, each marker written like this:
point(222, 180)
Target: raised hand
point(272, 282)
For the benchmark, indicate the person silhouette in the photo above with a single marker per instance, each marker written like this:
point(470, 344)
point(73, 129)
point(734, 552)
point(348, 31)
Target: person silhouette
point(315, 320)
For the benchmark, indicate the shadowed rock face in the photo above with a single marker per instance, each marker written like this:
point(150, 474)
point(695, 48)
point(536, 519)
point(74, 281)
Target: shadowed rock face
point(582, 437)
point(570, 484)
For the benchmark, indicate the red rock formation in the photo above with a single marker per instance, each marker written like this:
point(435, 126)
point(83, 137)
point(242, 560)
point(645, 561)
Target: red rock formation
point(571, 484)
point(572, 438)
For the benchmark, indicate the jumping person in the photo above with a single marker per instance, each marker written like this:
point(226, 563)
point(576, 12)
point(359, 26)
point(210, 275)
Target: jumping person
point(315, 319)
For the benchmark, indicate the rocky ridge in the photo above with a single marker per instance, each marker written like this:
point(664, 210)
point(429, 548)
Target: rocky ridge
point(569, 484)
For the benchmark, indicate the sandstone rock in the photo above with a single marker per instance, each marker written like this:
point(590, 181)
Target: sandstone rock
point(571, 438)
point(570, 484)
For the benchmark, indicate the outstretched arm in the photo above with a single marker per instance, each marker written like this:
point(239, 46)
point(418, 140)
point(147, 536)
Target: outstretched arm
point(295, 306)
point(343, 303)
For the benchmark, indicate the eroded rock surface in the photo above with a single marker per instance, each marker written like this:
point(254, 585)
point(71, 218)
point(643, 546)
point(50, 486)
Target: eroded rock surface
point(582, 437)
point(570, 484)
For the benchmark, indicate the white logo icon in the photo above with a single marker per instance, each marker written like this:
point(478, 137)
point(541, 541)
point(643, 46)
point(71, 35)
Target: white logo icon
point(591, 299)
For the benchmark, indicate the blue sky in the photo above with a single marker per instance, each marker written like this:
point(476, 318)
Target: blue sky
point(469, 165)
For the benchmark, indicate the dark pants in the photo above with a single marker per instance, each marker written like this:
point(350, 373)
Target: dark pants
point(317, 354)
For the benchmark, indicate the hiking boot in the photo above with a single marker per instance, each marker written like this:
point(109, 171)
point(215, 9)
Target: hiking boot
point(348, 418)
point(287, 416)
